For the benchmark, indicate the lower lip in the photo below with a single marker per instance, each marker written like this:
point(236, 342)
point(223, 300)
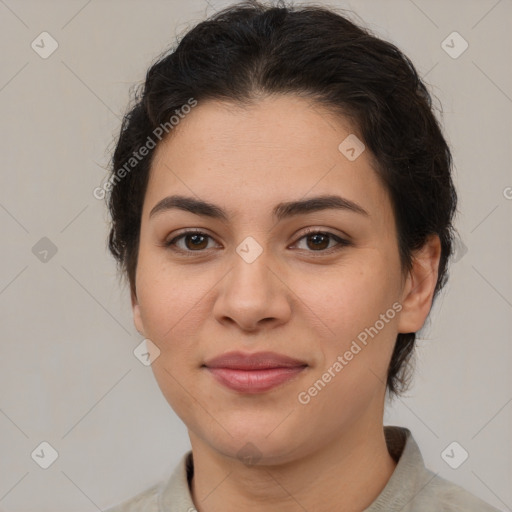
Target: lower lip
point(254, 381)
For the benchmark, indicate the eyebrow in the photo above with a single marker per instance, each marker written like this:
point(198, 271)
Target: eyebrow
point(280, 211)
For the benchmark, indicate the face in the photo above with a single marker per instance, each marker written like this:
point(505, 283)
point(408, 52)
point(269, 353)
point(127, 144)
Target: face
point(306, 281)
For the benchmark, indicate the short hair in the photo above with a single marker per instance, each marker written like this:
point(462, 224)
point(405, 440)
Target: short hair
point(248, 51)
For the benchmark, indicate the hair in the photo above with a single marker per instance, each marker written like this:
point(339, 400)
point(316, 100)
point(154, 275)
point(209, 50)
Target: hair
point(250, 50)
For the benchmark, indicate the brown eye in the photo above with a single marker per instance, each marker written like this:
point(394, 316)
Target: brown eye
point(196, 241)
point(321, 241)
point(190, 241)
point(318, 241)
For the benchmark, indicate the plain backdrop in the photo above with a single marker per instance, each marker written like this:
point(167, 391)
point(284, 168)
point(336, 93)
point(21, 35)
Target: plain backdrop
point(68, 375)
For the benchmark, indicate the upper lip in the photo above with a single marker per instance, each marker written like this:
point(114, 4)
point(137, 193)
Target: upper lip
point(256, 361)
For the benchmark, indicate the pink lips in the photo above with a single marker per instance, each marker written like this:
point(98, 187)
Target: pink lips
point(253, 373)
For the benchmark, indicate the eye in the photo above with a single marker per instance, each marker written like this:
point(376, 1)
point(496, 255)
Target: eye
point(190, 241)
point(316, 241)
point(320, 241)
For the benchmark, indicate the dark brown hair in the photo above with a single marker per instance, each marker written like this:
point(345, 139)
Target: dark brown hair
point(250, 50)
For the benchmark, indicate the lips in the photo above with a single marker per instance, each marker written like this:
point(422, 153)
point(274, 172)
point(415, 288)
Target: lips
point(256, 361)
point(253, 373)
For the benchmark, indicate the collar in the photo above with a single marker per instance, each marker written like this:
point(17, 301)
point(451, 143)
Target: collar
point(175, 496)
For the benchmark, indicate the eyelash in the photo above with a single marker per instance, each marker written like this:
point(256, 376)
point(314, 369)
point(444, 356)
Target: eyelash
point(341, 242)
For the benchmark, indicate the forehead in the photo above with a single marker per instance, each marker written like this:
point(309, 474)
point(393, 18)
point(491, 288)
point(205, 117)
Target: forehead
point(277, 127)
point(280, 148)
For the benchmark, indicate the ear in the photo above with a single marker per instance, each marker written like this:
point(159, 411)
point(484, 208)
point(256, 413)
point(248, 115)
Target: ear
point(419, 287)
point(137, 317)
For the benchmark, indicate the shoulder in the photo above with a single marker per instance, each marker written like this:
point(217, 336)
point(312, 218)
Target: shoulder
point(145, 501)
point(415, 488)
point(450, 497)
point(171, 493)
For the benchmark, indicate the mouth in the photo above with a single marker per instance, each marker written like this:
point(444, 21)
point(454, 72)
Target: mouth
point(254, 373)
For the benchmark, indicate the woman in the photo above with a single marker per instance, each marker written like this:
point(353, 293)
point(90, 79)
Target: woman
point(282, 207)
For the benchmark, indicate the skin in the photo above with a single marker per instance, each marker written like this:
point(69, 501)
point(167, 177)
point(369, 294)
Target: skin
point(294, 299)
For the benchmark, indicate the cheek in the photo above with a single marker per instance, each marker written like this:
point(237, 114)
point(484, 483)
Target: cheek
point(165, 310)
point(170, 309)
point(356, 304)
point(351, 298)
point(172, 301)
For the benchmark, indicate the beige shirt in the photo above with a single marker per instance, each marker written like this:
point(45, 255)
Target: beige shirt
point(411, 488)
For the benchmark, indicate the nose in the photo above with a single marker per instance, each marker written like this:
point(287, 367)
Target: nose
point(252, 296)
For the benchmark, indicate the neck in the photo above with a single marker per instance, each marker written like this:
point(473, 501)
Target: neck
point(351, 471)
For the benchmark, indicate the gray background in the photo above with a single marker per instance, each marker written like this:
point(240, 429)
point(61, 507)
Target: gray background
point(68, 375)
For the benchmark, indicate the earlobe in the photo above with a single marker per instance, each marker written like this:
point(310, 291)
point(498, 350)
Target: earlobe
point(137, 317)
point(419, 288)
